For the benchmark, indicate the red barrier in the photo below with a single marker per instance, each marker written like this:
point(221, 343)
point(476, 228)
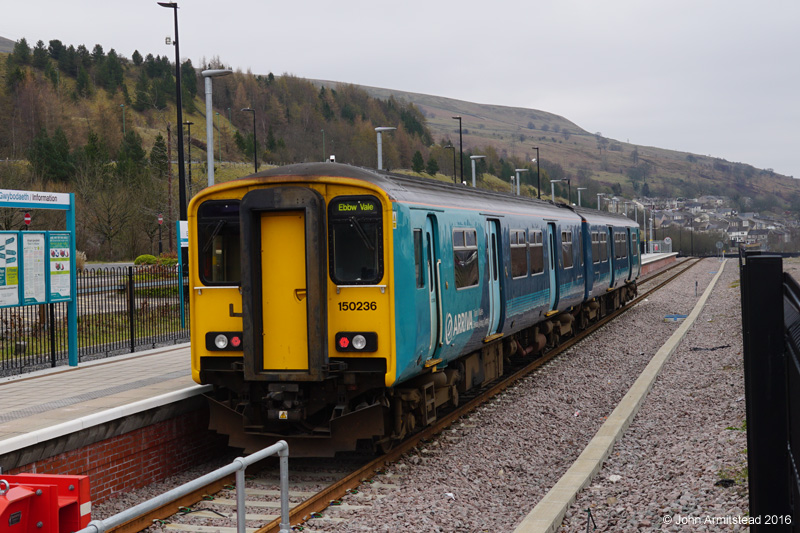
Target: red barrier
point(44, 503)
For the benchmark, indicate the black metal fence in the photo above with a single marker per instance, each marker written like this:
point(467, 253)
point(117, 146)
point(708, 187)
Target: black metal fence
point(120, 310)
point(771, 337)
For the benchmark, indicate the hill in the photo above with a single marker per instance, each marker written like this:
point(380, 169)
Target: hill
point(590, 159)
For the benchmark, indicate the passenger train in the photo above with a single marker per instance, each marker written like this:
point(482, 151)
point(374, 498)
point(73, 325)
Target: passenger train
point(338, 307)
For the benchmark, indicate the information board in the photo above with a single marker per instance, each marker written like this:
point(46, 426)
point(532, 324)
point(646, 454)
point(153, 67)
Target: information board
point(59, 250)
point(9, 269)
point(34, 281)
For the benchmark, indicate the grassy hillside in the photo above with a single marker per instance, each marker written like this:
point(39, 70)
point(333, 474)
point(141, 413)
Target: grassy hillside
point(588, 158)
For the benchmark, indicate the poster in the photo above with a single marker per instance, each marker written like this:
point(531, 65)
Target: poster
point(59, 266)
point(9, 269)
point(33, 273)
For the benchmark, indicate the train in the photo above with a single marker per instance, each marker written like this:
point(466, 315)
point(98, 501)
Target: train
point(340, 308)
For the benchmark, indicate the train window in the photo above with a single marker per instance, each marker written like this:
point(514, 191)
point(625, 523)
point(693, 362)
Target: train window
point(519, 253)
point(580, 248)
point(623, 243)
point(603, 244)
point(537, 252)
point(566, 249)
point(465, 257)
point(218, 242)
point(356, 240)
point(418, 258)
point(595, 247)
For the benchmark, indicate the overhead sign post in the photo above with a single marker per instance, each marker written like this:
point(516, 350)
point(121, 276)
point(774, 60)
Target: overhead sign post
point(44, 268)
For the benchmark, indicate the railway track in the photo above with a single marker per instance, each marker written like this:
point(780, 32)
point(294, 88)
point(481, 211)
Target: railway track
point(316, 485)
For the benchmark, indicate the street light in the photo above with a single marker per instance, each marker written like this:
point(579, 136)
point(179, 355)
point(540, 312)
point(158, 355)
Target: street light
point(599, 197)
point(518, 170)
point(208, 74)
point(538, 182)
point(553, 190)
point(474, 158)
point(255, 144)
point(579, 194)
point(461, 150)
point(181, 172)
point(188, 125)
point(453, 148)
point(379, 130)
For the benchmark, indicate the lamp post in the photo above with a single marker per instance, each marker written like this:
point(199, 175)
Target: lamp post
point(453, 148)
point(179, 104)
point(518, 170)
point(599, 198)
point(553, 190)
point(579, 194)
point(538, 182)
point(188, 125)
point(123, 119)
point(569, 191)
point(255, 143)
point(379, 130)
point(219, 140)
point(511, 179)
point(461, 150)
point(208, 74)
point(474, 158)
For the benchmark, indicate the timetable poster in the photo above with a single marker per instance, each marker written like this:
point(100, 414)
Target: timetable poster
point(9, 269)
point(33, 272)
point(59, 267)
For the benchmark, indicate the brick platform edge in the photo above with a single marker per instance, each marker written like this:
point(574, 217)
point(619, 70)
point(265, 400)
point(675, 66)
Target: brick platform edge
point(139, 457)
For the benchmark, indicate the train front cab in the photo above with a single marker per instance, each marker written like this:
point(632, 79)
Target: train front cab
point(303, 334)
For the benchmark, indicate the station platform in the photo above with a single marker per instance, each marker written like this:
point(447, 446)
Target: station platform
point(71, 419)
point(657, 261)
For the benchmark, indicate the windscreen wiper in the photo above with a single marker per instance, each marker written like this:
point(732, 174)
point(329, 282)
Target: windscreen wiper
point(214, 233)
point(362, 234)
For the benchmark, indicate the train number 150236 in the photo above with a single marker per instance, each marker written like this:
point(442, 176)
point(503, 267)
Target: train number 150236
point(358, 306)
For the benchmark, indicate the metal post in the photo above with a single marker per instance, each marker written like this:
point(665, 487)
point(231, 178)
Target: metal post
point(131, 310)
point(538, 176)
point(461, 149)
point(379, 130)
point(769, 466)
point(474, 158)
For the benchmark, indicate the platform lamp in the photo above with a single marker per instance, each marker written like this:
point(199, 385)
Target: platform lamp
point(379, 130)
point(461, 148)
point(179, 104)
point(475, 158)
point(579, 194)
point(538, 181)
point(553, 190)
point(208, 74)
point(599, 199)
point(453, 148)
point(518, 170)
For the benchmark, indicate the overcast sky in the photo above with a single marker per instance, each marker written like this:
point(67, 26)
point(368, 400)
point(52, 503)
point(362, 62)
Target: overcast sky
point(712, 77)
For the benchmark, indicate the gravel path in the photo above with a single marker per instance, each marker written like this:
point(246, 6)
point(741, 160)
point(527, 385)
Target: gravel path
point(683, 460)
point(490, 469)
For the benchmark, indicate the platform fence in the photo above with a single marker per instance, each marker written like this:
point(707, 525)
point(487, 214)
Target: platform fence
point(771, 342)
point(120, 310)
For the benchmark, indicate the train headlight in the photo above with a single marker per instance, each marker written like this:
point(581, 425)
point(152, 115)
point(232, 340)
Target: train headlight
point(224, 341)
point(221, 341)
point(356, 341)
point(359, 342)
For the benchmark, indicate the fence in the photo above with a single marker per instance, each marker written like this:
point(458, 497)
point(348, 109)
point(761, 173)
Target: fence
point(120, 310)
point(771, 338)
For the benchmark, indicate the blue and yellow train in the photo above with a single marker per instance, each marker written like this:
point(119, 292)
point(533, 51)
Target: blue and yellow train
point(338, 307)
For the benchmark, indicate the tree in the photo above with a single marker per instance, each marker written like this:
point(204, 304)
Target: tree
point(50, 157)
point(417, 162)
point(132, 157)
point(142, 92)
point(40, 56)
point(55, 49)
point(137, 58)
point(22, 52)
point(432, 167)
point(83, 85)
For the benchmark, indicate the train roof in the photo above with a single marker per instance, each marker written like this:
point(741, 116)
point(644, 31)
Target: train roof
point(411, 189)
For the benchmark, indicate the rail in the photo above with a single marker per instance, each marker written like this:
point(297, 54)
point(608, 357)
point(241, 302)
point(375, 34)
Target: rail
point(237, 467)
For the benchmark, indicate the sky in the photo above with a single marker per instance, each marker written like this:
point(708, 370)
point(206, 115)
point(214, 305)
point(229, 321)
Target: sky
point(711, 77)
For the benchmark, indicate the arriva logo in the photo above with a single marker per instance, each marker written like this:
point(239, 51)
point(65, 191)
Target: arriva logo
point(454, 326)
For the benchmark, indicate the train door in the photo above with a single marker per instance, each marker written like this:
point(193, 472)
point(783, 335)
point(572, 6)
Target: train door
point(432, 282)
point(612, 257)
point(553, 264)
point(631, 254)
point(493, 260)
point(283, 300)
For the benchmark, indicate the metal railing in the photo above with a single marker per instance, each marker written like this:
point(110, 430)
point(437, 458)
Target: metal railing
point(238, 467)
point(120, 310)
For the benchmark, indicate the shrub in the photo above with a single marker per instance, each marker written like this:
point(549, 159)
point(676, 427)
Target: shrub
point(145, 259)
point(80, 260)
